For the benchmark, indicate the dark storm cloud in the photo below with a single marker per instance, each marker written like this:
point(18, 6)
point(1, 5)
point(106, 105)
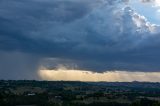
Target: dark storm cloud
point(19, 19)
point(96, 35)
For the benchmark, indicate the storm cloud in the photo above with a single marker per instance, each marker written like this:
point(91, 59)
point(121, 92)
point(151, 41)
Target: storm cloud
point(97, 35)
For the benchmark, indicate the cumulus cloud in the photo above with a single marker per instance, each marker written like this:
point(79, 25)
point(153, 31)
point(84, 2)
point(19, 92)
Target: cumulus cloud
point(147, 1)
point(155, 2)
point(95, 35)
point(111, 31)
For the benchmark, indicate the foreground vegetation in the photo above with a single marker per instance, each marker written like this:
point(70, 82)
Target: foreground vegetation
point(60, 93)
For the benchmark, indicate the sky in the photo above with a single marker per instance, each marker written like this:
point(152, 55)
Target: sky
point(86, 40)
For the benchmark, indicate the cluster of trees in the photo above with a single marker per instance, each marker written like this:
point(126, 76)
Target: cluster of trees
point(142, 102)
point(42, 100)
point(13, 100)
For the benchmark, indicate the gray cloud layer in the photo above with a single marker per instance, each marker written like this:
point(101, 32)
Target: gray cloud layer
point(96, 35)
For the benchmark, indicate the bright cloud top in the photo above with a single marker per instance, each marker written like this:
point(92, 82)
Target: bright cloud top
point(157, 2)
